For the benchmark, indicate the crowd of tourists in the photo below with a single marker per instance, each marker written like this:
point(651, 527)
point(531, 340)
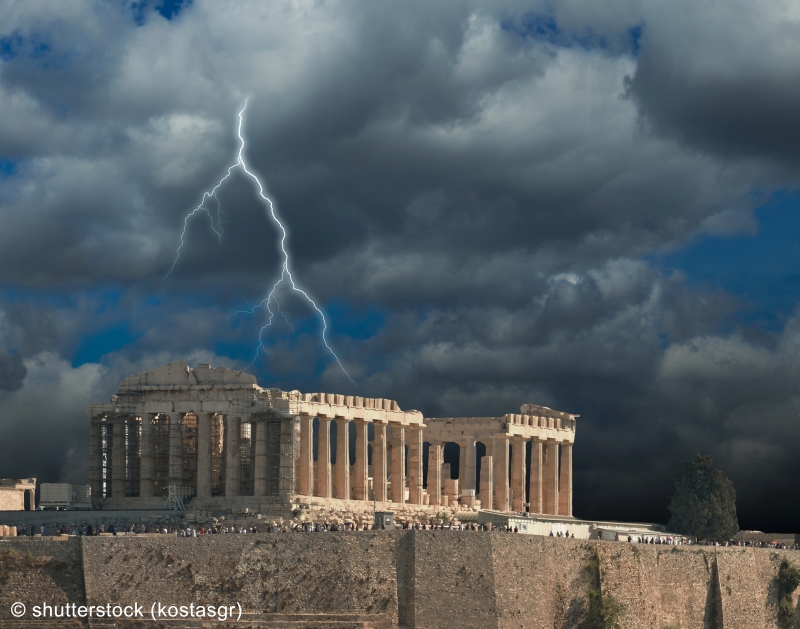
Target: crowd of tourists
point(304, 526)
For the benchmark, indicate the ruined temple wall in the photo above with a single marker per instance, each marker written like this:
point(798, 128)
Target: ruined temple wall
point(539, 581)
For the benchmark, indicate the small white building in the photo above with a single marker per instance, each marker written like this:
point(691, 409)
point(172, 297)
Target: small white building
point(64, 496)
point(537, 524)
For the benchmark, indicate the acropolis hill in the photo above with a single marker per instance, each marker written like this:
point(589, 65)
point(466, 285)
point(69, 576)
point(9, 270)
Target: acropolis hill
point(387, 579)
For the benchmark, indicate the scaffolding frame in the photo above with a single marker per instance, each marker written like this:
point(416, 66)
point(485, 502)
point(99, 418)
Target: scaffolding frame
point(189, 442)
point(273, 434)
point(132, 431)
point(159, 436)
point(106, 445)
point(218, 464)
point(247, 445)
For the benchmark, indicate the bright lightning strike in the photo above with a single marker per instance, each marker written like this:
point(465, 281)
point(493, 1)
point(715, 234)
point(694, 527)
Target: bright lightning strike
point(286, 272)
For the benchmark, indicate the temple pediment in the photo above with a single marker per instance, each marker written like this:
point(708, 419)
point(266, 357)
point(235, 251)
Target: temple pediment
point(179, 374)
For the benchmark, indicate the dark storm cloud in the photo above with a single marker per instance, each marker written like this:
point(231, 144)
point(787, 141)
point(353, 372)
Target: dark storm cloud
point(724, 77)
point(470, 190)
point(12, 372)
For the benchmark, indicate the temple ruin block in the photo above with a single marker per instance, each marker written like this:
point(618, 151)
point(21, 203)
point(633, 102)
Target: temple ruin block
point(226, 442)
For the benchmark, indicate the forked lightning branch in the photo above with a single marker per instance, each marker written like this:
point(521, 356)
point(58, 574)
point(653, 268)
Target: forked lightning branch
point(285, 274)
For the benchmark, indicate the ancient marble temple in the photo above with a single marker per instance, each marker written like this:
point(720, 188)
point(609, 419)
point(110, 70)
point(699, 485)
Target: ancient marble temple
point(213, 434)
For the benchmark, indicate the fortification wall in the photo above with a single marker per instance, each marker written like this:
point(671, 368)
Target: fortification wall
point(661, 586)
point(32, 572)
point(418, 580)
point(748, 587)
point(539, 582)
point(453, 582)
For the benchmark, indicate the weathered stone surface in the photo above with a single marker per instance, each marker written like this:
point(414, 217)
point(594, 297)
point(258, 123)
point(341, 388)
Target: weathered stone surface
point(413, 579)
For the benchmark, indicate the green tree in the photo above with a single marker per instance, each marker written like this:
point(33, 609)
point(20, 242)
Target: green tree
point(704, 504)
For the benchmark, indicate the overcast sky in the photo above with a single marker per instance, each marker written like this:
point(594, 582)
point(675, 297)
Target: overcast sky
point(589, 206)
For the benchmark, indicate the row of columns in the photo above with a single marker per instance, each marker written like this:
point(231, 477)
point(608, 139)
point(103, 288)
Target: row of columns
point(328, 480)
point(175, 472)
point(550, 482)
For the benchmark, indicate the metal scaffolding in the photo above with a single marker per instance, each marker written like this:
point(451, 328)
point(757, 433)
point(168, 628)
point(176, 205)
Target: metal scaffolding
point(105, 447)
point(217, 456)
point(160, 446)
point(247, 446)
point(133, 452)
point(273, 434)
point(189, 442)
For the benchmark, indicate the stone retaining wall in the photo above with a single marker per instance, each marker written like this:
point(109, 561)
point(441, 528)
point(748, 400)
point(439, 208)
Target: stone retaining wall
point(414, 579)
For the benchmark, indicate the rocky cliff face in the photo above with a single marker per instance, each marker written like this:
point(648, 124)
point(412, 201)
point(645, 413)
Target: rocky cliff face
point(414, 579)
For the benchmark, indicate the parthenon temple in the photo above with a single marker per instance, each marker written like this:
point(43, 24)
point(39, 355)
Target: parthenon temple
point(214, 435)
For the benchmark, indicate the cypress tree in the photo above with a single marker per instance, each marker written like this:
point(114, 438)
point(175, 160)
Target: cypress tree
point(704, 504)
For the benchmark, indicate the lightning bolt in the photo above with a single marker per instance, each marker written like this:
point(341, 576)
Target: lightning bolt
point(286, 273)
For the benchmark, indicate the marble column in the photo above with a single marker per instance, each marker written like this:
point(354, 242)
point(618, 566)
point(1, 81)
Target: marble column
point(379, 463)
point(462, 465)
point(118, 476)
point(467, 475)
point(204, 454)
point(435, 452)
point(361, 469)
point(146, 457)
point(175, 450)
point(500, 455)
point(398, 464)
point(260, 467)
point(341, 488)
point(550, 478)
point(306, 476)
point(415, 465)
point(537, 458)
point(233, 433)
point(487, 483)
point(565, 481)
point(518, 475)
point(324, 458)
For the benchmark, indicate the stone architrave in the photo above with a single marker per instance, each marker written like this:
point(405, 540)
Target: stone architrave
point(361, 468)
point(550, 473)
point(324, 458)
point(146, 463)
point(565, 484)
point(260, 464)
point(518, 475)
point(415, 465)
point(204, 454)
point(118, 480)
point(537, 456)
point(500, 450)
point(398, 464)
point(342, 476)
point(305, 487)
point(379, 471)
point(233, 432)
